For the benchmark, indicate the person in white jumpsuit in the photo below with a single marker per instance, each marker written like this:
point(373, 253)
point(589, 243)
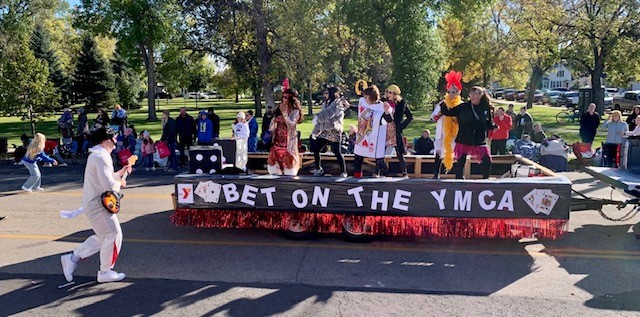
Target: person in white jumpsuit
point(100, 177)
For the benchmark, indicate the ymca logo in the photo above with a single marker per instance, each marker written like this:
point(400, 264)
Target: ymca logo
point(185, 193)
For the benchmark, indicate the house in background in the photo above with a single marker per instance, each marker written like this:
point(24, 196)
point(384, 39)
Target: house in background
point(558, 76)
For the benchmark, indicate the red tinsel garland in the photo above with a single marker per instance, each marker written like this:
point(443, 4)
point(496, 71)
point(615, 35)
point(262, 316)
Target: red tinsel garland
point(374, 225)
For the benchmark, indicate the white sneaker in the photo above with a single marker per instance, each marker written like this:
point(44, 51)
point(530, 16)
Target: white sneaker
point(28, 190)
point(344, 175)
point(39, 188)
point(68, 266)
point(110, 276)
point(46, 165)
point(63, 164)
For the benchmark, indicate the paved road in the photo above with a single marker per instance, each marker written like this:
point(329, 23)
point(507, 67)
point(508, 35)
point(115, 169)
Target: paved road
point(593, 270)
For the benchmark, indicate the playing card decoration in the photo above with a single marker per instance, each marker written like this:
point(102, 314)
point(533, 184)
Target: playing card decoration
point(541, 200)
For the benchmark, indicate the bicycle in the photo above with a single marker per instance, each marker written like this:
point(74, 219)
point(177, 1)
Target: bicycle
point(569, 115)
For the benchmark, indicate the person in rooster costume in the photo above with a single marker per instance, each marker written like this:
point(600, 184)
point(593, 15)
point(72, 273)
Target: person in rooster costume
point(446, 126)
point(474, 122)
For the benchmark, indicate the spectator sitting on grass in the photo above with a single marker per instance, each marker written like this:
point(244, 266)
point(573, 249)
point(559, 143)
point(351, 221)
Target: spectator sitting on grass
point(424, 144)
point(538, 134)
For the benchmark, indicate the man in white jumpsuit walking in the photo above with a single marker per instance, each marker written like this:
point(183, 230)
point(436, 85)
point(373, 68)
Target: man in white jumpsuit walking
point(100, 177)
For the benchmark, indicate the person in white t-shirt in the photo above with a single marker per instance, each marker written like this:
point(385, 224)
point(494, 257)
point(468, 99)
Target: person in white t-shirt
point(240, 127)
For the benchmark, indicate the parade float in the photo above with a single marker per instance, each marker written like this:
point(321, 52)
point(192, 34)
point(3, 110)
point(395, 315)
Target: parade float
point(521, 199)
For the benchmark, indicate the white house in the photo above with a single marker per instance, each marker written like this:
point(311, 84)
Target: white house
point(558, 76)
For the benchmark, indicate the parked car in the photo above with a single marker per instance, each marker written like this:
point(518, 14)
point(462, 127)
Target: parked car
point(163, 95)
point(509, 94)
point(551, 97)
point(608, 100)
point(615, 92)
point(498, 93)
point(197, 95)
point(215, 95)
point(562, 89)
point(569, 99)
point(537, 96)
point(629, 100)
point(521, 95)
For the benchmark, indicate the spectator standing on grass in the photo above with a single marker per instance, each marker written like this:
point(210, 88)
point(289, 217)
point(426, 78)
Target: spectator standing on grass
point(538, 134)
point(589, 123)
point(118, 119)
point(500, 135)
point(253, 131)
point(35, 153)
point(169, 136)
point(616, 130)
point(147, 150)
point(511, 113)
point(83, 129)
point(424, 144)
point(205, 130)
point(186, 130)
point(65, 123)
point(215, 122)
point(631, 119)
point(523, 122)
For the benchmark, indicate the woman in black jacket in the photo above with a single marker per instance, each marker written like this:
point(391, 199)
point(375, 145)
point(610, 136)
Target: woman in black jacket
point(400, 111)
point(474, 119)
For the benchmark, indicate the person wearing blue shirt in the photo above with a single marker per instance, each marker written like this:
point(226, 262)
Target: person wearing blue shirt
point(205, 129)
point(35, 153)
point(253, 132)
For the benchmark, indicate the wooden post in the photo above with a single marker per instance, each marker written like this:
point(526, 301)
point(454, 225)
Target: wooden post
point(467, 168)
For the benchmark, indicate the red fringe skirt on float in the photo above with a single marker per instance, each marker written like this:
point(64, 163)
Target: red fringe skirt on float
point(374, 225)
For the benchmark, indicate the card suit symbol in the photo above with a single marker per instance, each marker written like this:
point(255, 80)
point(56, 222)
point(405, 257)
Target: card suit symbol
point(365, 143)
point(361, 109)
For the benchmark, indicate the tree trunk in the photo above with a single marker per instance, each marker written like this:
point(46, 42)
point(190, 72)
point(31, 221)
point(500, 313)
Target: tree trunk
point(536, 75)
point(309, 99)
point(150, 64)
point(264, 56)
point(33, 123)
point(257, 104)
point(237, 97)
point(597, 93)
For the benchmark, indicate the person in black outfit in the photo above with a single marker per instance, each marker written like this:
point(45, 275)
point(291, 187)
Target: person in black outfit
point(631, 119)
point(186, 130)
point(169, 136)
point(589, 123)
point(401, 110)
point(474, 119)
point(424, 145)
point(215, 120)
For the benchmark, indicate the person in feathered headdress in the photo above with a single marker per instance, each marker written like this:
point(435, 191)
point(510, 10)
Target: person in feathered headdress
point(474, 121)
point(446, 127)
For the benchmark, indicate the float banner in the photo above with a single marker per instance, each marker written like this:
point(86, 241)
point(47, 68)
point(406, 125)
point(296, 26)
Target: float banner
point(534, 197)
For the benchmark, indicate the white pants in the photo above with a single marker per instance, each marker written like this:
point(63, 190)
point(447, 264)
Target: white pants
point(107, 240)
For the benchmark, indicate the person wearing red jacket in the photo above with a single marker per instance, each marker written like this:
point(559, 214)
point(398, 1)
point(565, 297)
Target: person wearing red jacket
point(500, 135)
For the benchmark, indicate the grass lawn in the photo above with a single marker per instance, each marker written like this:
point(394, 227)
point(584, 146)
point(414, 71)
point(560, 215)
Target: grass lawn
point(12, 128)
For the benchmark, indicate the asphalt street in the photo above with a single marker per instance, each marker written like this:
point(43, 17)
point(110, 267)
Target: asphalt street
point(594, 270)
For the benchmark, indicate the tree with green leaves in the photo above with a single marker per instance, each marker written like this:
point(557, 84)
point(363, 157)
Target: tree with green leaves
point(127, 82)
point(408, 31)
point(540, 38)
point(595, 31)
point(142, 26)
point(25, 89)
point(93, 78)
point(40, 44)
